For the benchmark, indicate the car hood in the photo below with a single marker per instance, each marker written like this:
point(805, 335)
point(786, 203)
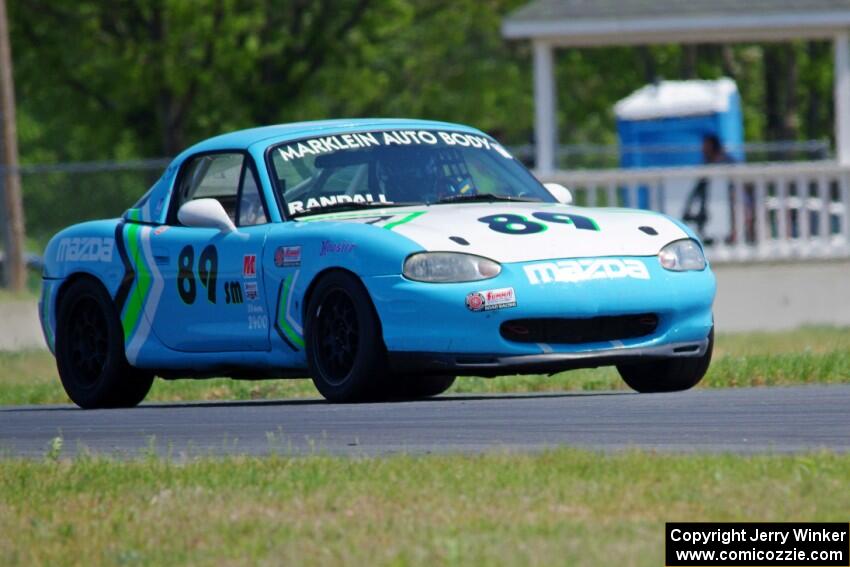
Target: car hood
point(567, 231)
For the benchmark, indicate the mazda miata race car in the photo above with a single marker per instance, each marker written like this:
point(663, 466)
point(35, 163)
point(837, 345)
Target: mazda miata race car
point(380, 257)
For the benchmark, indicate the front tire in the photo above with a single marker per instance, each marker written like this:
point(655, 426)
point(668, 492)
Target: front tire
point(671, 375)
point(419, 387)
point(90, 351)
point(345, 349)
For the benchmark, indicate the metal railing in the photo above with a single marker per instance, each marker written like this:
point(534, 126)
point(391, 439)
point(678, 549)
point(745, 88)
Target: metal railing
point(600, 156)
point(752, 212)
point(58, 195)
point(743, 212)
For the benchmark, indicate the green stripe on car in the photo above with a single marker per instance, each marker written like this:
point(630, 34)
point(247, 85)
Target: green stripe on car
point(407, 219)
point(284, 325)
point(136, 298)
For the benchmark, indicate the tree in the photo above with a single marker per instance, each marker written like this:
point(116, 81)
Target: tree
point(13, 213)
point(149, 77)
point(99, 80)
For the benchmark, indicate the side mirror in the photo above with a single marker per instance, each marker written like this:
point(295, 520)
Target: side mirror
point(205, 213)
point(561, 193)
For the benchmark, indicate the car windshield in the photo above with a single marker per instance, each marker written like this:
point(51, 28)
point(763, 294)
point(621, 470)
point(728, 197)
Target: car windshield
point(398, 167)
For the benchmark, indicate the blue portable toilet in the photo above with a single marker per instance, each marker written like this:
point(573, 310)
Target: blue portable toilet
point(663, 124)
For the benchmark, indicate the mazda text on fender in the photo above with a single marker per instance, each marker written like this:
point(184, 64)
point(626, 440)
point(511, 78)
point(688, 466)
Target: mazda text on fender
point(381, 258)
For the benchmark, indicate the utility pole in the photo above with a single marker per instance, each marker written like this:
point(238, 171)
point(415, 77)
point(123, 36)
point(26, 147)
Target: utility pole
point(13, 208)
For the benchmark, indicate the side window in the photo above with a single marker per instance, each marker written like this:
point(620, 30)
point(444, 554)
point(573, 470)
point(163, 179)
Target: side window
point(214, 176)
point(251, 211)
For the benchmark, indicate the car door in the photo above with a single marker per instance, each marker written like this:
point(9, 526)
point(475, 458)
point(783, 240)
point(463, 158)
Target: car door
point(213, 298)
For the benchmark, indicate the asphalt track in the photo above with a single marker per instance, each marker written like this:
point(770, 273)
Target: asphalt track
point(734, 420)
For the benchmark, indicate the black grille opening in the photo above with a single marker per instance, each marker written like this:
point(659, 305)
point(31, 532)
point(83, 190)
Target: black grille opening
point(575, 331)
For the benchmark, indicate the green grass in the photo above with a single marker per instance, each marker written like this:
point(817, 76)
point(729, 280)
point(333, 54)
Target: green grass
point(563, 507)
point(807, 356)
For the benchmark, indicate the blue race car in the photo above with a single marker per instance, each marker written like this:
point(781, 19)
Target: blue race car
point(380, 257)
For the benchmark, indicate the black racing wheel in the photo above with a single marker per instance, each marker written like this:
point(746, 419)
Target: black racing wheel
point(671, 375)
point(90, 350)
point(345, 349)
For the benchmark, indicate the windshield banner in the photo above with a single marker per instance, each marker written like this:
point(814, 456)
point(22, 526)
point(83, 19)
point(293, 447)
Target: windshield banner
point(358, 140)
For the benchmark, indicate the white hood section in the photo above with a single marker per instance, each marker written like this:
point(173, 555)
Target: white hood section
point(449, 227)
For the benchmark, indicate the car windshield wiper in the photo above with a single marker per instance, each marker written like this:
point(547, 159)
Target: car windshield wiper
point(483, 198)
point(338, 207)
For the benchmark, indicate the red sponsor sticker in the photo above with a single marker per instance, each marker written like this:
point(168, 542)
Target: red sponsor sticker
point(287, 256)
point(249, 266)
point(491, 299)
point(475, 301)
point(496, 295)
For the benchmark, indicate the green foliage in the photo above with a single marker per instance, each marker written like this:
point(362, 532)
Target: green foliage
point(146, 78)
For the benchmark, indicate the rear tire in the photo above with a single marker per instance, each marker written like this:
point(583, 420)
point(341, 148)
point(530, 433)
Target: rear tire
point(671, 375)
point(345, 349)
point(90, 351)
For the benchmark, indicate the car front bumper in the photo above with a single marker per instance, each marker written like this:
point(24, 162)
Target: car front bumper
point(428, 327)
point(547, 363)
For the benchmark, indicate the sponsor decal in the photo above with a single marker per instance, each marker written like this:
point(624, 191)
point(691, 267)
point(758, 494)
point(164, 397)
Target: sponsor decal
point(249, 266)
point(313, 203)
point(571, 271)
point(85, 249)
point(356, 140)
point(251, 291)
point(491, 299)
point(233, 293)
point(161, 229)
point(287, 256)
point(258, 322)
point(518, 224)
point(257, 317)
point(475, 301)
point(330, 247)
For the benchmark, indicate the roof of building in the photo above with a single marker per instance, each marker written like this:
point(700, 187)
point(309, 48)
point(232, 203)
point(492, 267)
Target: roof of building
point(612, 22)
point(667, 99)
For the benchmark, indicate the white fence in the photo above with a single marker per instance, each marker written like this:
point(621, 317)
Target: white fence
point(744, 212)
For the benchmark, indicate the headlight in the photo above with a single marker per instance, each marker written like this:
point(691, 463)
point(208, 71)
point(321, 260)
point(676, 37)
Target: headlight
point(446, 267)
point(682, 256)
